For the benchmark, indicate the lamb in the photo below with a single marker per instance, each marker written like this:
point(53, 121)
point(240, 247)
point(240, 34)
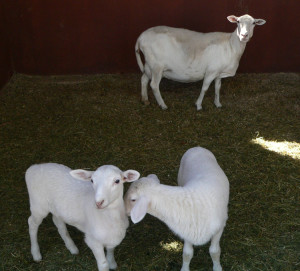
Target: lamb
point(196, 210)
point(187, 56)
point(92, 201)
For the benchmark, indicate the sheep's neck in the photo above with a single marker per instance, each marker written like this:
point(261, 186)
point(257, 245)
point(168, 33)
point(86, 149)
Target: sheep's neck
point(236, 45)
point(164, 196)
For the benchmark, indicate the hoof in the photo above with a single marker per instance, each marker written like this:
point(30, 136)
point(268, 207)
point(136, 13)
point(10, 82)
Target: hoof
point(146, 102)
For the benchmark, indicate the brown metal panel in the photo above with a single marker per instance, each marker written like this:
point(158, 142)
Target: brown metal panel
point(89, 36)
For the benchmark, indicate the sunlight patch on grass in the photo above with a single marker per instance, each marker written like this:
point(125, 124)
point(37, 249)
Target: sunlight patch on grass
point(291, 149)
point(173, 246)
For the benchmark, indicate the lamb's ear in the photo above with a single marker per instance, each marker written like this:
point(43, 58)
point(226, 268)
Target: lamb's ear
point(259, 21)
point(130, 175)
point(81, 174)
point(153, 177)
point(139, 210)
point(232, 19)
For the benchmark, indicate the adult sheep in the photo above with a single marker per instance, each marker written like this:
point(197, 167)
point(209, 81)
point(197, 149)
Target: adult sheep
point(196, 210)
point(188, 56)
point(92, 201)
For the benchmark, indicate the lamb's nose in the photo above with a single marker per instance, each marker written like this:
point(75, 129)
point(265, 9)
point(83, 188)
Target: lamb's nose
point(99, 204)
point(245, 35)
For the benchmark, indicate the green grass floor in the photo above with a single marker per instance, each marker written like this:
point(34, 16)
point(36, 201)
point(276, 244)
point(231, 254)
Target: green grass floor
point(88, 121)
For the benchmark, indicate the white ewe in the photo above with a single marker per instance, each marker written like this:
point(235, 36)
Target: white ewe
point(196, 210)
point(92, 201)
point(187, 56)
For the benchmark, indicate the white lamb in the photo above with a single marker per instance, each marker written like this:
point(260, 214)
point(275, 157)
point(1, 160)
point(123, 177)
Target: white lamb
point(187, 56)
point(92, 201)
point(196, 210)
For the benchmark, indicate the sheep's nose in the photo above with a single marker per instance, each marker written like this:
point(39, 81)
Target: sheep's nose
point(99, 204)
point(245, 35)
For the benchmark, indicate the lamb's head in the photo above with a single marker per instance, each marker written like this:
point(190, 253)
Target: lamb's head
point(245, 26)
point(107, 182)
point(137, 198)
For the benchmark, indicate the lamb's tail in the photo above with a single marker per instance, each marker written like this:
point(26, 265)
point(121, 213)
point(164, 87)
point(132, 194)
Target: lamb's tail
point(138, 56)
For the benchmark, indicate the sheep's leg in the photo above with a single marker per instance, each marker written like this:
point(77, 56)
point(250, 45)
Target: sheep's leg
point(217, 92)
point(215, 251)
point(188, 252)
point(98, 251)
point(144, 82)
point(34, 221)
point(62, 229)
point(111, 258)
point(206, 82)
point(156, 77)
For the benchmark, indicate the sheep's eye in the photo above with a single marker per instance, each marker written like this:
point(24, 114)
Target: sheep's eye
point(237, 22)
point(117, 181)
point(133, 200)
point(92, 181)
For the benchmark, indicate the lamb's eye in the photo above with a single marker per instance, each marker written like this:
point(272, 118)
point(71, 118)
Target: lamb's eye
point(133, 200)
point(117, 181)
point(92, 181)
point(237, 22)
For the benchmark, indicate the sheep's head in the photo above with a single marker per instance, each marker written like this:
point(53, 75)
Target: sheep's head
point(137, 197)
point(107, 182)
point(245, 26)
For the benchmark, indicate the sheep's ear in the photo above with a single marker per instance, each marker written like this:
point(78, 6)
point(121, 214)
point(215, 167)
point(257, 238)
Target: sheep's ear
point(80, 174)
point(139, 210)
point(130, 175)
point(153, 177)
point(232, 19)
point(259, 21)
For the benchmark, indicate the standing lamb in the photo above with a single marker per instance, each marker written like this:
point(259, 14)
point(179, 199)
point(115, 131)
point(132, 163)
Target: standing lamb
point(92, 201)
point(187, 56)
point(196, 210)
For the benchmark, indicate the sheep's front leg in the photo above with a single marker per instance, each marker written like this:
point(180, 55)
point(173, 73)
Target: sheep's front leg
point(215, 251)
point(156, 77)
point(98, 251)
point(217, 92)
point(206, 82)
point(111, 258)
point(188, 252)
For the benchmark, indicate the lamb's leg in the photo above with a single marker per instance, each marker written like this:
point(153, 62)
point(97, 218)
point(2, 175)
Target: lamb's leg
point(111, 258)
point(34, 222)
point(188, 252)
point(217, 92)
point(206, 82)
point(215, 251)
point(62, 229)
point(156, 77)
point(98, 251)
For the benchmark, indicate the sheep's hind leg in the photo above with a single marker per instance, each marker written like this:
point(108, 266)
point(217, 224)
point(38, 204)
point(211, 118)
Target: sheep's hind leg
point(156, 77)
point(217, 92)
point(215, 251)
point(34, 221)
point(62, 229)
point(188, 252)
point(144, 82)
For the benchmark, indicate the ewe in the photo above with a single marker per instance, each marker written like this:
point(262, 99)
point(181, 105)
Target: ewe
point(187, 56)
point(92, 201)
point(196, 210)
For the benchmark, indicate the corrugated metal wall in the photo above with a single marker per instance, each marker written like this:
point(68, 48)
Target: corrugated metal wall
point(90, 36)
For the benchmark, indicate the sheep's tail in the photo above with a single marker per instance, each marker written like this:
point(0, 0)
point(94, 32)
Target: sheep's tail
point(138, 55)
